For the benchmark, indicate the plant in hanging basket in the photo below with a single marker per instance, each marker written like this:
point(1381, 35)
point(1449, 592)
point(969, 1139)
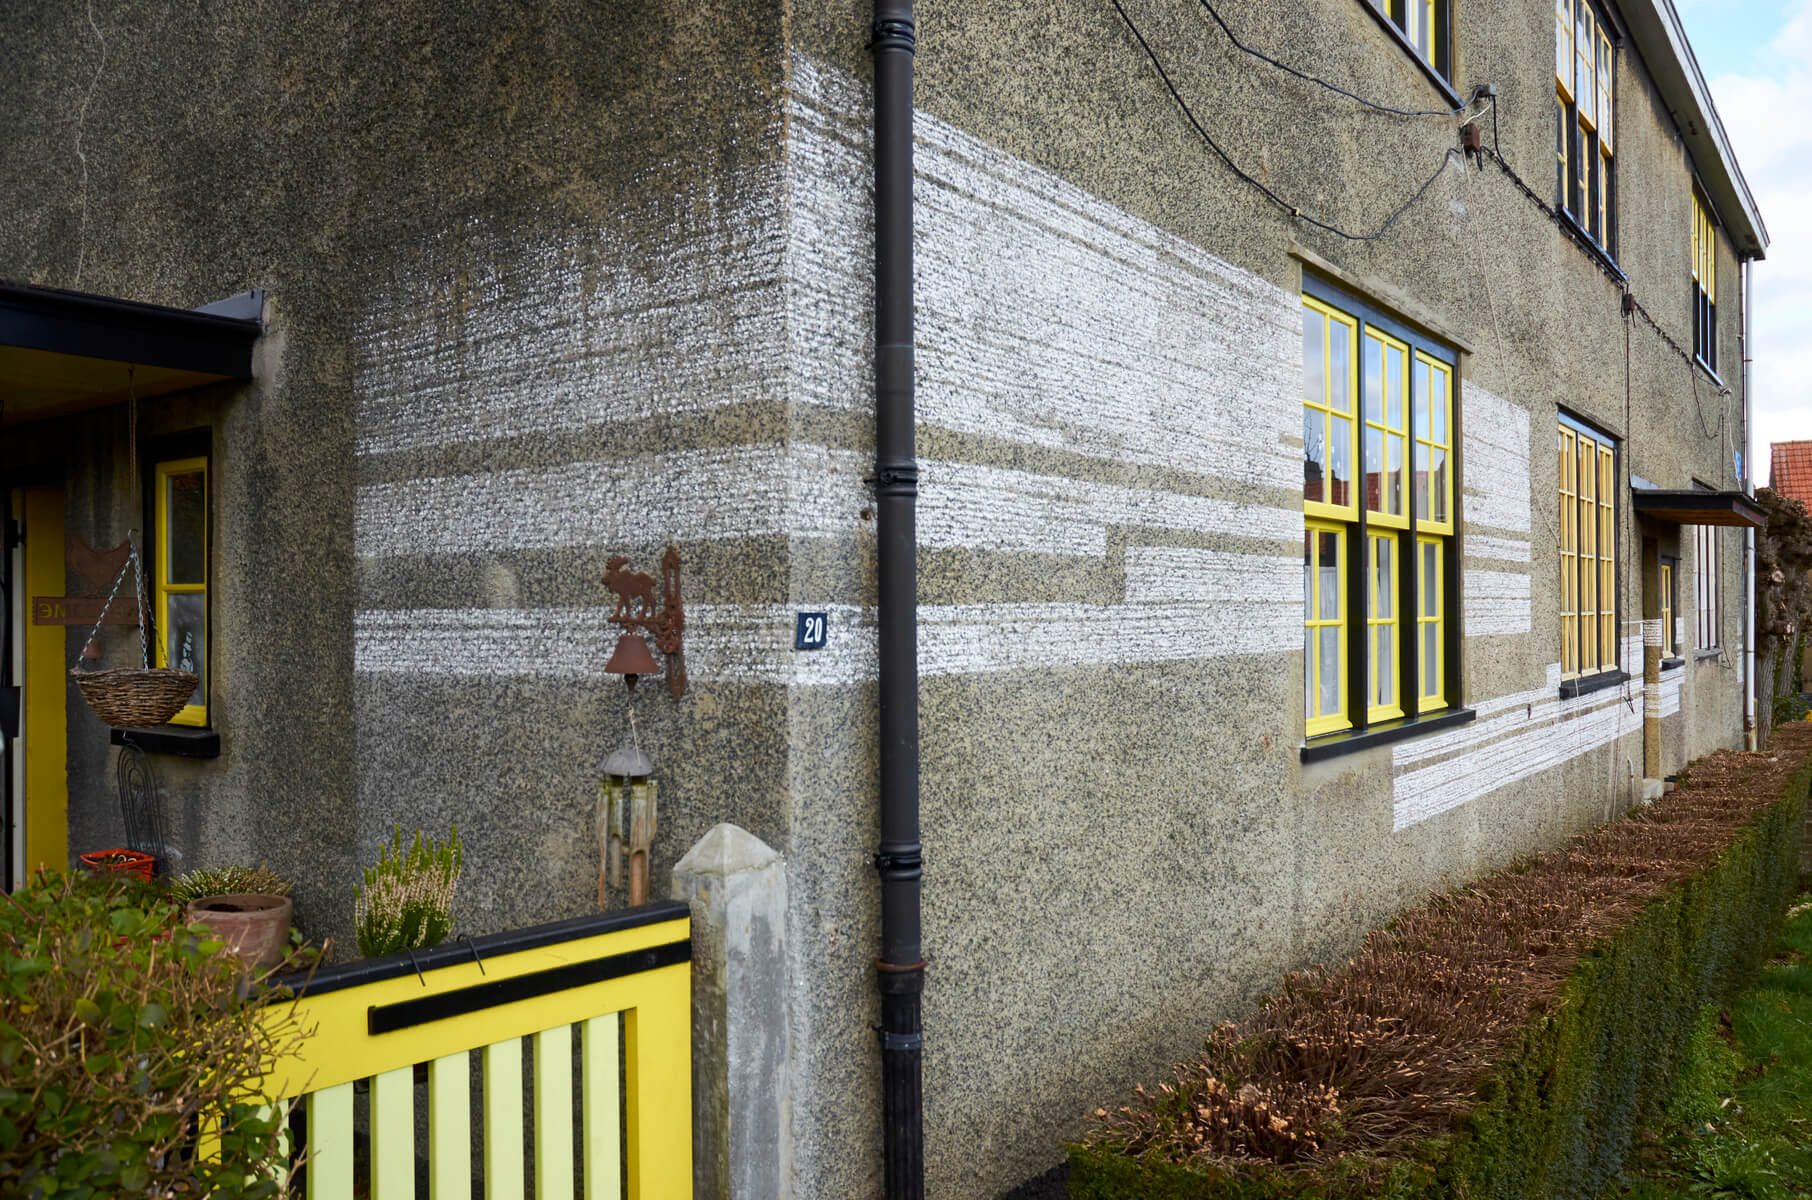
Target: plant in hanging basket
point(118, 862)
point(136, 697)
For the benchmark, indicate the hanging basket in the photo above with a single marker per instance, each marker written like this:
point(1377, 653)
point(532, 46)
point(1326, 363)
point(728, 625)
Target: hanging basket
point(136, 697)
point(133, 697)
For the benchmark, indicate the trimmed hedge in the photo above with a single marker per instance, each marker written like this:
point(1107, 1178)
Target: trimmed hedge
point(1557, 1117)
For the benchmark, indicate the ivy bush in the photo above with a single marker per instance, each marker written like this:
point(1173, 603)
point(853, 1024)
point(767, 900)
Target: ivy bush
point(123, 1033)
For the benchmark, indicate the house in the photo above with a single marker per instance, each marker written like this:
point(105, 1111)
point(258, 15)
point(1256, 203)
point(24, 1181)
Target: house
point(1328, 425)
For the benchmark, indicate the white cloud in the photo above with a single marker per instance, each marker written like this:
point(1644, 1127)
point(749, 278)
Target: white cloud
point(1761, 107)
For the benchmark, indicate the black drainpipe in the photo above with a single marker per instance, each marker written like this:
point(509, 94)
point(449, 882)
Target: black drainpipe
point(900, 970)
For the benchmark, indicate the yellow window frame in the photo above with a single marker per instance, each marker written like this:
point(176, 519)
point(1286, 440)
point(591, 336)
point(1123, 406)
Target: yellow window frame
point(1386, 431)
point(1610, 654)
point(1376, 625)
point(163, 588)
point(1329, 414)
point(1667, 610)
point(1569, 552)
point(1604, 78)
point(1314, 621)
point(1563, 48)
point(1591, 656)
point(1431, 615)
point(1442, 394)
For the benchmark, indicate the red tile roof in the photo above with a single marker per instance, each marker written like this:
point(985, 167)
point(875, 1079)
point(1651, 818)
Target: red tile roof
point(1790, 472)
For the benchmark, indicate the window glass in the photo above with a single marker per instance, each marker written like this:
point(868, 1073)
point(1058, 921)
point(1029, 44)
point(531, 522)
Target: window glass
point(179, 577)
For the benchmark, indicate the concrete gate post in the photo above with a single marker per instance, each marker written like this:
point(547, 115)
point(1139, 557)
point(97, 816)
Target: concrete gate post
point(741, 1082)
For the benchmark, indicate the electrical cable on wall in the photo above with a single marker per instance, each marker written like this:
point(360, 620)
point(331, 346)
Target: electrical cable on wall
point(1270, 195)
point(1332, 87)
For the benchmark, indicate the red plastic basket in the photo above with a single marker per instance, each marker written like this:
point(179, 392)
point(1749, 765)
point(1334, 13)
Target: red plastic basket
point(118, 862)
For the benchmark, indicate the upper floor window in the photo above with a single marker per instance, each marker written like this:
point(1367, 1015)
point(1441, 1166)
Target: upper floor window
point(1424, 26)
point(1379, 576)
point(180, 576)
point(1585, 174)
point(1704, 284)
point(1706, 574)
point(1588, 551)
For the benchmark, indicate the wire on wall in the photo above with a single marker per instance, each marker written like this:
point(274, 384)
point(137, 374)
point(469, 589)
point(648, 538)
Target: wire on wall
point(1270, 195)
point(1261, 56)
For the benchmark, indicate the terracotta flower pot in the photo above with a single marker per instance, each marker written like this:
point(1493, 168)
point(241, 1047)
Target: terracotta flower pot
point(255, 928)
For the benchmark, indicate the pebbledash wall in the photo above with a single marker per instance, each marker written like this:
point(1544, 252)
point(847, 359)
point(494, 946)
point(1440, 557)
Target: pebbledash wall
point(552, 287)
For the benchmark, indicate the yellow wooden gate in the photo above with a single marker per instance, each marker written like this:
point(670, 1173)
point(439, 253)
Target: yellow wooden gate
point(609, 994)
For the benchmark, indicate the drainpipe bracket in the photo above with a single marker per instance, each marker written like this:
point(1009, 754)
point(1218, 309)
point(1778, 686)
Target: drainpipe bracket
point(893, 34)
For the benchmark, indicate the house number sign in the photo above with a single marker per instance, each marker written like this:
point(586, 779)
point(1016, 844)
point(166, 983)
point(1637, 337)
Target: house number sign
point(813, 629)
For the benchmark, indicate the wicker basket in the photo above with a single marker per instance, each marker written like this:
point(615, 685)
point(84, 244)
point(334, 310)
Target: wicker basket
point(136, 698)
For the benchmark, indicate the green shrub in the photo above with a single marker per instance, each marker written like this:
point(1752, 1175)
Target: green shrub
point(228, 881)
point(120, 1032)
point(406, 902)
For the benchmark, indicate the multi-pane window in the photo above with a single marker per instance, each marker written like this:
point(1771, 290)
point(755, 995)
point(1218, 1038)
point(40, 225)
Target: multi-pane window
point(1588, 551)
point(1704, 284)
point(1584, 130)
point(1378, 399)
point(1670, 642)
point(180, 576)
point(1424, 26)
point(1705, 580)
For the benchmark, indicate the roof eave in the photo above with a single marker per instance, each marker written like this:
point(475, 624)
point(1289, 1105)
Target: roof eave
point(1661, 38)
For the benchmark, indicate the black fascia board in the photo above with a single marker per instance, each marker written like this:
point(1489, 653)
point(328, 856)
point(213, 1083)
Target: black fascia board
point(1682, 506)
point(125, 331)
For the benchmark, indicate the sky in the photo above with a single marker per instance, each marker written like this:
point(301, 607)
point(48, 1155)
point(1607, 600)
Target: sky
point(1757, 57)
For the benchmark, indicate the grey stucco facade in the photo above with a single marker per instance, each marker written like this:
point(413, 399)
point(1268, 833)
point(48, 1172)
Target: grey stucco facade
point(548, 287)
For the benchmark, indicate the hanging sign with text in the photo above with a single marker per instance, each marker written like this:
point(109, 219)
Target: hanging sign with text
point(82, 610)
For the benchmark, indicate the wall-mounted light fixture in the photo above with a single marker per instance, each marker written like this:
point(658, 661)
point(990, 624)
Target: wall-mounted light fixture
point(637, 609)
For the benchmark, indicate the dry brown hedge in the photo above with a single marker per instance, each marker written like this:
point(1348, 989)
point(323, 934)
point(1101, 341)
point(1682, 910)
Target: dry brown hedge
point(1390, 1047)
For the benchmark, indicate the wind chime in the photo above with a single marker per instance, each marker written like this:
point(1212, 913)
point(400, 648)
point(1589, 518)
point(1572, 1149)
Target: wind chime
point(627, 791)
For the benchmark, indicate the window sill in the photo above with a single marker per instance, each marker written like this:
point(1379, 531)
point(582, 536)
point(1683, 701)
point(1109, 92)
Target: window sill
point(178, 740)
point(1333, 745)
point(1572, 688)
point(1668, 664)
point(1708, 652)
point(1597, 252)
point(1710, 371)
point(1435, 77)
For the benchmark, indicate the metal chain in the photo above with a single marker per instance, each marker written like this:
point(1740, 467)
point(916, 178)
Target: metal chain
point(132, 564)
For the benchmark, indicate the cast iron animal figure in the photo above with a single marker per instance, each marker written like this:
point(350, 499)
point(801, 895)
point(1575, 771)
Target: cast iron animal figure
point(629, 585)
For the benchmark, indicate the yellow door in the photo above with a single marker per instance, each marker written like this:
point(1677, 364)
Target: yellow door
point(41, 805)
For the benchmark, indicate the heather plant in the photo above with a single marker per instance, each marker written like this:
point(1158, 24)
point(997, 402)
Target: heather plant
point(121, 1033)
point(406, 902)
point(228, 881)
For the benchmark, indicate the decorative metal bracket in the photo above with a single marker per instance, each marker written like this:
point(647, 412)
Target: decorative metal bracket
point(636, 609)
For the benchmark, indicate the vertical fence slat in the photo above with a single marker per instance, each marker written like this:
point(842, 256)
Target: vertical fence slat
point(503, 1174)
point(329, 1163)
point(658, 1061)
point(554, 1113)
point(450, 1127)
point(601, 1110)
point(393, 1135)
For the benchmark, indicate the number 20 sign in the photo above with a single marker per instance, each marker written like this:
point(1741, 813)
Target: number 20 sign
point(812, 630)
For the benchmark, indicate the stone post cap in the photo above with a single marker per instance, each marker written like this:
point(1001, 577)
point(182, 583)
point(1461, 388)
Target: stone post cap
point(726, 850)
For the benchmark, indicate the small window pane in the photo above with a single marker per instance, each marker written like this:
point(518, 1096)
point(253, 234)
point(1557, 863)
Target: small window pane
point(1383, 581)
point(1431, 583)
point(1371, 368)
point(1381, 668)
point(1438, 477)
point(1340, 367)
point(1374, 470)
point(1328, 664)
point(1393, 484)
point(1314, 455)
point(1328, 560)
point(187, 498)
point(186, 637)
point(1430, 661)
point(1421, 481)
point(1341, 465)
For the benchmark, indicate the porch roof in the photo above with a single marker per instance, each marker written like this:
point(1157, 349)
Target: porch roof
point(1695, 506)
point(63, 352)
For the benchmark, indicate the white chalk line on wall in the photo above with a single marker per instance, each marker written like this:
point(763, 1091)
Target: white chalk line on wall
point(1495, 602)
point(799, 491)
point(754, 643)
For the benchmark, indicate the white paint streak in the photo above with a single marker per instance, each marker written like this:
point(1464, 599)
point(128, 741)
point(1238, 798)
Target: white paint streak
point(1503, 549)
point(754, 643)
point(1045, 316)
point(1496, 602)
point(799, 491)
point(1513, 745)
point(1496, 445)
point(1160, 574)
